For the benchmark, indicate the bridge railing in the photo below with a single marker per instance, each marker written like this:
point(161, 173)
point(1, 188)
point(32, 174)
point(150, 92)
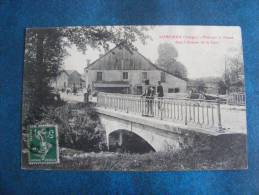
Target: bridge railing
point(196, 113)
point(236, 99)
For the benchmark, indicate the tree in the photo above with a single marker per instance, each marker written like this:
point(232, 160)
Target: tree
point(222, 87)
point(44, 53)
point(201, 85)
point(167, 51)
point(167, 60)
point(178, 69)
point(234, 72)
point(81, 130)
point(102, 36)
point(43, 58)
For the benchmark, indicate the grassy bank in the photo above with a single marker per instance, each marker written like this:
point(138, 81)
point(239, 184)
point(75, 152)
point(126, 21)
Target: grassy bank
point(233, 157)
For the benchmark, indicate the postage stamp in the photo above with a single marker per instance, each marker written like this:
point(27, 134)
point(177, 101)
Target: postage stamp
point(43, 144)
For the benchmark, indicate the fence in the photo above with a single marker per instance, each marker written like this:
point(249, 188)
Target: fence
point(236, 99)
point(198, 113)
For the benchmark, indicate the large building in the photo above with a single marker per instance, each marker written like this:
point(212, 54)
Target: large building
point(69, 79)
point(123, 70)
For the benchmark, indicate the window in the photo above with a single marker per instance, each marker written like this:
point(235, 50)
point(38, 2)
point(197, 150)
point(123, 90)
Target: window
point(99, 76)
point(173, 90)
point(125, 76)
point(139, 90)
point(144, 76)
point(162, 77)
point(170, 90)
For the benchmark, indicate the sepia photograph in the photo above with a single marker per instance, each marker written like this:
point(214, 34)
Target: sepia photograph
point(134, 98)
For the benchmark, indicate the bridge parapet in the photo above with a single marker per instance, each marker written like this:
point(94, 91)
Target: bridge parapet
point(192, 113)
point(236, 99)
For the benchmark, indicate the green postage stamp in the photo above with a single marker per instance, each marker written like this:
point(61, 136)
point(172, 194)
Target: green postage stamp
point(43, 144)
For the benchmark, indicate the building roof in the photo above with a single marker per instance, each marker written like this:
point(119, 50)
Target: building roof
point(69, 72)
point(151, 63)
point(72, 71)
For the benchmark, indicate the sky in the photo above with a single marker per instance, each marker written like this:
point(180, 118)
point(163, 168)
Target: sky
point(202, 49)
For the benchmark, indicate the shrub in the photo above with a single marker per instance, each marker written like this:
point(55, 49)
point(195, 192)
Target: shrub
point(79, 127)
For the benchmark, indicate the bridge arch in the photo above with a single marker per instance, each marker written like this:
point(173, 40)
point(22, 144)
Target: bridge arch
point(128, 141)
point(160, 140)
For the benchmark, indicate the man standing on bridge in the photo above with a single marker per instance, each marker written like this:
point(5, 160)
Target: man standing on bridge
point(149, 99)
point(160, 94)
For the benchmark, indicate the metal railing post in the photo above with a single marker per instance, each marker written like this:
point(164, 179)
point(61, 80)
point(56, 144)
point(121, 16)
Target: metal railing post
point(219, 116)
point(161, 108)
point(127, 105)
point(116, 103)
point(105, 102)
point(185, 120)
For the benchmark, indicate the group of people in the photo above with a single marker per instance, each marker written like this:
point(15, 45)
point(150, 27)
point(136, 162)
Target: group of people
point(149, 94)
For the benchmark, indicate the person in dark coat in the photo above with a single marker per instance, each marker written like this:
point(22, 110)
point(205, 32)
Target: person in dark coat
point(160, 94)
point(160, 90)
point(149, 99)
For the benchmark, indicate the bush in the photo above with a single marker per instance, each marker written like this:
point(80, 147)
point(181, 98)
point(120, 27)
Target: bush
point(79, 127)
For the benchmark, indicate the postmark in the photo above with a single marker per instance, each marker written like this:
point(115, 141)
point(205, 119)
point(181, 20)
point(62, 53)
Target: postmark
point(43, 144)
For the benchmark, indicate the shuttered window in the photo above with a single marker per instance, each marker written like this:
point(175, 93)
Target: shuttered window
point(99, 76)
point(125, 76)
point(162, 77)
point(173, 90)
point(144, 76)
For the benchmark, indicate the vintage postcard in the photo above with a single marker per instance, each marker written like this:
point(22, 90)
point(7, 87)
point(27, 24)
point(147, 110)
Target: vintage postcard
point(134, 98)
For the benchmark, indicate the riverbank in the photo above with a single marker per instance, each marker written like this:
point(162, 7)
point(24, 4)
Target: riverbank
point(216, 157)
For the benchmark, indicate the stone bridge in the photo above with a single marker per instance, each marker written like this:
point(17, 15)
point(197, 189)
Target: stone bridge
point(164, 124)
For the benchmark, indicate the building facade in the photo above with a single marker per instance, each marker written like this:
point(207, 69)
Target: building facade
point(69, 79)
point(122, 70)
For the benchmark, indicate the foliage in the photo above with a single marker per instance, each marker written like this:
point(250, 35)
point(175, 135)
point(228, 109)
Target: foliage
point(43, 58)
point(222, 87)
point(167, 51)
point(100, 37)
point(44, 53)
point(167, 60)
point(234, 72)
point(219, 152)
point(200, 85)
point(79, 127)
